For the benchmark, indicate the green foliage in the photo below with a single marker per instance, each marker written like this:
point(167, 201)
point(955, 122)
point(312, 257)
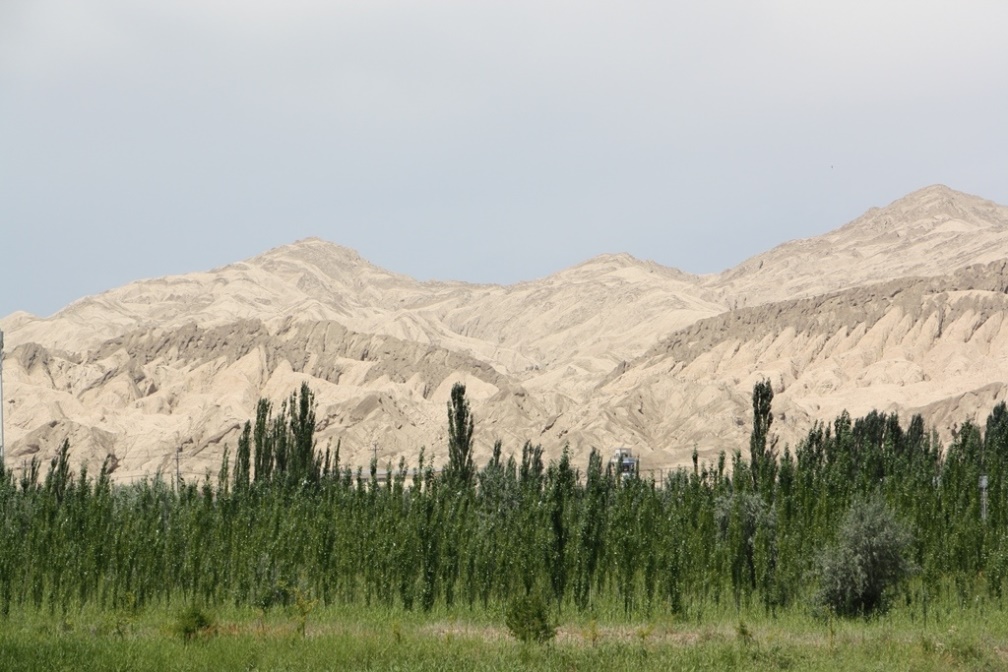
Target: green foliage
point(744, 634)
point(263, 441)
point(708, 538)
point(193, 620)
point(869, 559)
point(274, 595)
point(304, 605)
point(762, 459)
point(281, 447)
point(243, 464)
point(527, 619)
point(460, 431)
point(355, 639)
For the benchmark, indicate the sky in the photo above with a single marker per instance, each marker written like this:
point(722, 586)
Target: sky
point(492, 141)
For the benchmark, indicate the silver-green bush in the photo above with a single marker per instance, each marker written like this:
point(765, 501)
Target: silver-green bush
point(869, 558)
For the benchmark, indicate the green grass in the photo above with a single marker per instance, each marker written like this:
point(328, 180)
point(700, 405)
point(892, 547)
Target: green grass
point(373, 639)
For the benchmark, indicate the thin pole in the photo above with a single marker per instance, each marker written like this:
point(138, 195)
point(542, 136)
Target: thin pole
point(983, 497)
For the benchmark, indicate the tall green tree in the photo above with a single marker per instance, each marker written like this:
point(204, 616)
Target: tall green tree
point(304, 466)
point(243, 458)
point(762, 460)
point(460, 431)
point(263, 442)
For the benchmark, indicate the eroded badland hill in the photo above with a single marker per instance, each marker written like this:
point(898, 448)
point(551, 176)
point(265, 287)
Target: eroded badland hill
point(902, 309)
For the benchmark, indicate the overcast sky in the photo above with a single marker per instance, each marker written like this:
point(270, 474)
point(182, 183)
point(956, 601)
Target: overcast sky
point(489, 141)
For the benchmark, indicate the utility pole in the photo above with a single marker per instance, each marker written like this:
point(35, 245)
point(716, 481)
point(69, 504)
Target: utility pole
point(983, 497)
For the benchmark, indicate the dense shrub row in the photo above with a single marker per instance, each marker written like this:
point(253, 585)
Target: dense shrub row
point(282, 521)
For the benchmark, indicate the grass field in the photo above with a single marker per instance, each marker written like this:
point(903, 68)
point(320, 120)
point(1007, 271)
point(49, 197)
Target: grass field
point(379, 640)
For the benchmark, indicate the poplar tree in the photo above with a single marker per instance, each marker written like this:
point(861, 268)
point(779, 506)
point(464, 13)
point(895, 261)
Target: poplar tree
point(460, 432)
point(303, 465)
point(762, 461)
point(243, 458)
point(263, 442)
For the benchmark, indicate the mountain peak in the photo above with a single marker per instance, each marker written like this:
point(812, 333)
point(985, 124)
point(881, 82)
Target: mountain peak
point(936, 202)
point(932, 231)
point(318, 256)
point(313, 249)
point(606, 264)
point(621, 259)
point(934, 191)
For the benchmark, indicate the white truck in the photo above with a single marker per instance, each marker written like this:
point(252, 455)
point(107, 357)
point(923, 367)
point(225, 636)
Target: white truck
point(623, 464)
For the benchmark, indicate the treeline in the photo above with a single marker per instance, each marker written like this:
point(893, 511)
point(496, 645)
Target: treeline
point(283, 520)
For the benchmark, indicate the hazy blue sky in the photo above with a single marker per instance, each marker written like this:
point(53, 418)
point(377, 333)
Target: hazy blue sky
point(478, 140)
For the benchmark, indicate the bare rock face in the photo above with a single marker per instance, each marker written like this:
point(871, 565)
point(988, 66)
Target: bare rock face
point(901, 310)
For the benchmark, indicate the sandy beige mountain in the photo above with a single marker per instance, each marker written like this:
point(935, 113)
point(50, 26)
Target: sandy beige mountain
point(935, 346)
point(901, 310)
point(933, 231)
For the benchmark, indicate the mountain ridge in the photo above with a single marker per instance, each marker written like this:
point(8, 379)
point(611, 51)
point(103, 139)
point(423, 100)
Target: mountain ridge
point(612, 351)
point(922, 233)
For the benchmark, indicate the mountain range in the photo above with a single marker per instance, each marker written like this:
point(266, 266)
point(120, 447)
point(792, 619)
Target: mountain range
point(902, 309)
